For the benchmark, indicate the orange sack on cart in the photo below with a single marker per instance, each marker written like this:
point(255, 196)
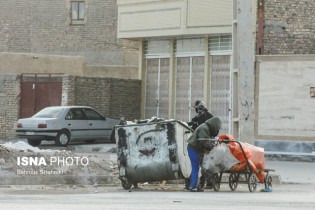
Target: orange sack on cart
point(255, 156)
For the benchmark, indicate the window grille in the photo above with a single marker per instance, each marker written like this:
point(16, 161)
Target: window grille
point(220, 44)
point(157, 48)
point(189, 46)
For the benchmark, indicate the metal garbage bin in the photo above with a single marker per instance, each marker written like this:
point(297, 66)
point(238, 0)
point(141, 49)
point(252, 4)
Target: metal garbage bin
point(152, 151)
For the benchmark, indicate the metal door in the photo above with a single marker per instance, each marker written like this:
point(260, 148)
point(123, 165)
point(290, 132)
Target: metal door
point(38, 92)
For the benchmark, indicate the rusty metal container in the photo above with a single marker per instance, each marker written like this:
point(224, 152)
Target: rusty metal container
point(152, 151)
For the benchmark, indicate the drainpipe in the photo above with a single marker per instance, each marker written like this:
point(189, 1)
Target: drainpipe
point(260, 36)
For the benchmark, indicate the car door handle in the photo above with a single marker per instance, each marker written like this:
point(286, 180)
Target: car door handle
point(91, 124)
point(69, 124)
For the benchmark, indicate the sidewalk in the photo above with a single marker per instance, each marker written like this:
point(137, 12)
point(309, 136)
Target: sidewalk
point(293, 172)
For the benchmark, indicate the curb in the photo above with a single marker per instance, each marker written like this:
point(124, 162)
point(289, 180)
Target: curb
point(295, 157)
point(90, 180)
point(57, 180)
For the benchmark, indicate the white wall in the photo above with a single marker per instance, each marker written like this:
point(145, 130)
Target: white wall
point(285, 107)
point(153, 18)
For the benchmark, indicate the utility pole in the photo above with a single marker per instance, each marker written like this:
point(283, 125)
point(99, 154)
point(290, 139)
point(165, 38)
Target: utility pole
point(243, 74)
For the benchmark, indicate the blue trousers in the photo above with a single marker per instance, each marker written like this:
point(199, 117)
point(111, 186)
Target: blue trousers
point(194, 159)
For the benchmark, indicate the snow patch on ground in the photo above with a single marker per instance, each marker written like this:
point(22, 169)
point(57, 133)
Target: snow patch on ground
point(69, 168)
point(23, 146)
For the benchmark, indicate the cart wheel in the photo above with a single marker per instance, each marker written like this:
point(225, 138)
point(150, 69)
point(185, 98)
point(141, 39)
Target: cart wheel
point(268, 181)
point(252, 182)
point(233, 181)
point(125, 184)
point(216, 182)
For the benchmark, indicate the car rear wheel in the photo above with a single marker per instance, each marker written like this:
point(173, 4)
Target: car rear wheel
point(62, 138)
point(34, 143)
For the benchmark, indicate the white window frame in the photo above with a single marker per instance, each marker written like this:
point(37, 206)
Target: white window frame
point(80, 13)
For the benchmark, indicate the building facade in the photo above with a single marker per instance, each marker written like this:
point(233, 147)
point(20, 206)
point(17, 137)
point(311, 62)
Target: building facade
point(74, 41)
point(185, 55)
point(86, 28)
point(285, 74)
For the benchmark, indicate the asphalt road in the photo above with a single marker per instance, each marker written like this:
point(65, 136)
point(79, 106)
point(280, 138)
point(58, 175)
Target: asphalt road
point(297, 191)
point(157, 197)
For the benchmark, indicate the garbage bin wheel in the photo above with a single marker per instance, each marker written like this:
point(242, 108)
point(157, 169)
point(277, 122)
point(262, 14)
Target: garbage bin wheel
point(233, 180)
point(252, 182)
point(268, 181)
point(216, 182)
point(126, 184)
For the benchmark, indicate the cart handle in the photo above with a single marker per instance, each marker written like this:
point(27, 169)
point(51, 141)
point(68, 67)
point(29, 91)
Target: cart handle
point(228, 141)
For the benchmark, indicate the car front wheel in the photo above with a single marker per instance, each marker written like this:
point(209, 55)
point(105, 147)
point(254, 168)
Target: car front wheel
point(34, 143)
point(62, 138)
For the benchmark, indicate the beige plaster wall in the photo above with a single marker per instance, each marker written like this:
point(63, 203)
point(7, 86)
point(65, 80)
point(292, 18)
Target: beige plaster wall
point(18, 63)
point(121, 72)
point(284, 99)
point(34, 63)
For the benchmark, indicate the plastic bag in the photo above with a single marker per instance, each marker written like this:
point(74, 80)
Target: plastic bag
point(255, 156)
point(219, 159)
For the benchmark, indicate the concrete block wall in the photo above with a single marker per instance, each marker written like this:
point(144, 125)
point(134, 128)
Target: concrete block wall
point(44, 27)
point(9, 101)
point(125, 99)
point(289, 27)
point(112, 97)
point(94, 92)
point(68, 90)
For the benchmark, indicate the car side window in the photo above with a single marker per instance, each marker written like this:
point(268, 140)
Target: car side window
point(75, 114)
point(93, 115)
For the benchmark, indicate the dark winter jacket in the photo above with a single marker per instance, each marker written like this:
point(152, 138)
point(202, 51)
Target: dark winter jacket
point(199, 119)
point(209, 129)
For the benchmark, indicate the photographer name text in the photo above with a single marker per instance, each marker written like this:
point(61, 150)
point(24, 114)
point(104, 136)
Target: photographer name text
point(38, 172)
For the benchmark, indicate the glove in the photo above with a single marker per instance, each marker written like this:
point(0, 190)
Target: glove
point(208, 146)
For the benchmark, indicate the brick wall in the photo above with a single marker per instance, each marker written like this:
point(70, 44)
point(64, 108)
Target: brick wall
point(94, 92)
point(289, 27)
point(9, 101)
point(125, 99)
point(115, 98)
point(43, 27)
point(68, 90)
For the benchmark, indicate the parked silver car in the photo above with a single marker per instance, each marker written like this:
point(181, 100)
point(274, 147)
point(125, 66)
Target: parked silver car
point(63, 124)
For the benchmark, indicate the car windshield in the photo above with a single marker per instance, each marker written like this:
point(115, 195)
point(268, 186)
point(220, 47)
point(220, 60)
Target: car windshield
point(51, 112)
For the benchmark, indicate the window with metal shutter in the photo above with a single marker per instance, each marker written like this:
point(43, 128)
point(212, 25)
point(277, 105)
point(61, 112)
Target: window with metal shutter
point(190, 64)
point(157, 81)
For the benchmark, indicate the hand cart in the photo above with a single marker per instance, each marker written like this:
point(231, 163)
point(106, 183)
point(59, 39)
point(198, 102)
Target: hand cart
point(250, 177)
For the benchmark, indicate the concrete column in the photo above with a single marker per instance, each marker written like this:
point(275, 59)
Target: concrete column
point(244, 26)
point(207, 76)
point(172, 81)
point(142, 73)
